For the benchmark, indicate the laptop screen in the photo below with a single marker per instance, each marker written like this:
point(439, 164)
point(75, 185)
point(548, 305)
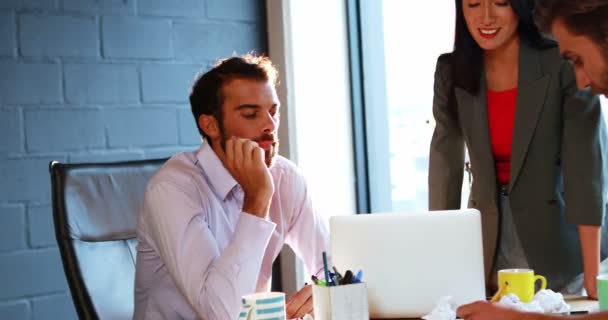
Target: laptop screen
point(411, 260)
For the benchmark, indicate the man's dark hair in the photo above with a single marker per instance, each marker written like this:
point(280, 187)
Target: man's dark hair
point(206, 96)
point(467, 57)
point(581, 17)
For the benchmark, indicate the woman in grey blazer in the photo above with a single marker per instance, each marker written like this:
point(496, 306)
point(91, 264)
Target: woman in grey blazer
point(545, 211)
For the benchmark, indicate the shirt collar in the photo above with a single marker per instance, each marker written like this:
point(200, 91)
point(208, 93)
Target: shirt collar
point(216, 174)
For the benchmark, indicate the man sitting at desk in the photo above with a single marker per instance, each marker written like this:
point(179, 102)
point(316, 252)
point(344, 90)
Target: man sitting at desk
point(581, 29)
point(214, 219)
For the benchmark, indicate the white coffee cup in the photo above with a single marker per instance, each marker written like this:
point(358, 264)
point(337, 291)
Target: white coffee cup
point(263, 305)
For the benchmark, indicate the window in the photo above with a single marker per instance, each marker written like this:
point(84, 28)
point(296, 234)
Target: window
point(399, 44)
point(308, 42)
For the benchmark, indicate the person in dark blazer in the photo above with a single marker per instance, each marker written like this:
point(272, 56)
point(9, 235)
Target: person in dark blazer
point(534, 141)
point(581, 28)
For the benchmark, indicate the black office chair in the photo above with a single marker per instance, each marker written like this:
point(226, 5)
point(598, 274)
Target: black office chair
point(95, 208)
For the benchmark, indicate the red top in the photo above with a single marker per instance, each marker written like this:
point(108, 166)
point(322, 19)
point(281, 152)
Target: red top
point(501, 118)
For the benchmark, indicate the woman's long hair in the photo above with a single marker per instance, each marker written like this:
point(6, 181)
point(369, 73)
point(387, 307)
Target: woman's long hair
point(467, 57)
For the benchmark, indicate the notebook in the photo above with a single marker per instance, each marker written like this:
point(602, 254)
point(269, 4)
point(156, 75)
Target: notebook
point(410, 260)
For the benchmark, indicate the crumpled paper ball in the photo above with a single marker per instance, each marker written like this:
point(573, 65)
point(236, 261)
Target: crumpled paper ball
point(551, 302)
point(544, 301)
point(512, 301)
point(443, 310)
point(308, 317)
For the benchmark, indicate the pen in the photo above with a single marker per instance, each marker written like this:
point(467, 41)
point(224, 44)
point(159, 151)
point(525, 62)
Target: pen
point(348, 277)
point(336, 271)
point(359, 276)
point(327, 279)
point(338, 275)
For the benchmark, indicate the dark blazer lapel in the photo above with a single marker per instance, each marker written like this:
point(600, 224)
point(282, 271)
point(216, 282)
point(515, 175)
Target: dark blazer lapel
point(474, 120)
point(531, 89)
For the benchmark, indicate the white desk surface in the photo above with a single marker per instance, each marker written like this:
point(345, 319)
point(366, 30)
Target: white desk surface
point(577, 303)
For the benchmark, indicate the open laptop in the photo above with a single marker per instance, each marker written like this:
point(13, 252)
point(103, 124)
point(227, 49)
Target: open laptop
point(411, 260)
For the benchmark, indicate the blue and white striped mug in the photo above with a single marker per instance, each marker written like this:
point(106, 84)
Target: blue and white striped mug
point(263, 306)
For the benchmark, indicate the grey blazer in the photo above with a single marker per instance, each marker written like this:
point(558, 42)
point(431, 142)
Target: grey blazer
point(557, 170)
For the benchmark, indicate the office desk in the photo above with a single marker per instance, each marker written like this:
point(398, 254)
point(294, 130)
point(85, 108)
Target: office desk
point(577, 303)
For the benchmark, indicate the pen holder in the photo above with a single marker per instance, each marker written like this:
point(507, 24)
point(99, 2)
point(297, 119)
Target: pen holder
point(345, 302)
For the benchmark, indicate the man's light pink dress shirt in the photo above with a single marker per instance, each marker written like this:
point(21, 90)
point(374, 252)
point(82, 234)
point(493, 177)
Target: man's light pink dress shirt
point(198, 253)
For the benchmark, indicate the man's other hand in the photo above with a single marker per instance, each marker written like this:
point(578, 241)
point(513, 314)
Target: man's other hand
point(482, 310)
point(300, 303)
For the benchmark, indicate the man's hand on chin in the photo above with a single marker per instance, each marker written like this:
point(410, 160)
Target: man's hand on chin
point(300, 303)
point(244, 159)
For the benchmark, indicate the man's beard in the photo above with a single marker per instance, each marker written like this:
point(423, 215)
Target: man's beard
point(269, 155)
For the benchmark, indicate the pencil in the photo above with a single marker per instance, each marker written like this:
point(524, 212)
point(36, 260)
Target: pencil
point(499, 293)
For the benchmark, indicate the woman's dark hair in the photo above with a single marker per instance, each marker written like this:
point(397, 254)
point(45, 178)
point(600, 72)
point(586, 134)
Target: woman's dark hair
point(467, 57)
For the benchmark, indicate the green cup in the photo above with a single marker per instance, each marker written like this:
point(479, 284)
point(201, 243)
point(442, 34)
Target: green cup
point(602, 291)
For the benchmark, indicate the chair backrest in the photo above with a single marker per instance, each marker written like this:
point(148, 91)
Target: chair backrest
point(95, 208)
